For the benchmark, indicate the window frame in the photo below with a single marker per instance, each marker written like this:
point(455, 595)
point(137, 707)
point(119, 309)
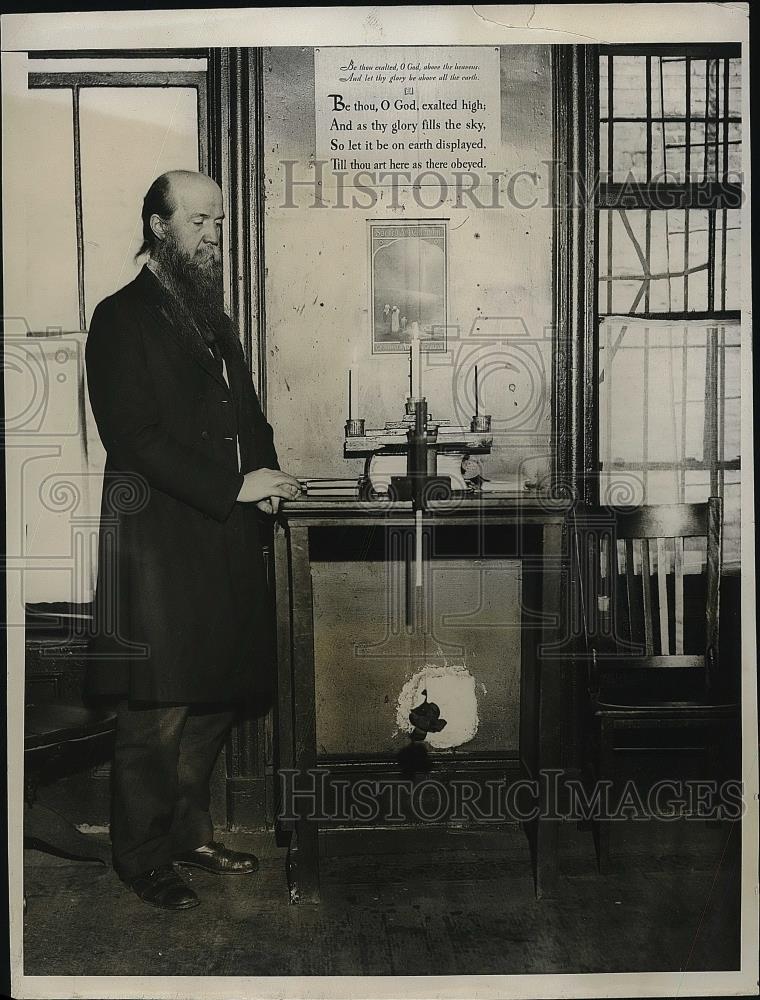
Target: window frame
point(75, 82)
point(641, 195)
point(713, 196)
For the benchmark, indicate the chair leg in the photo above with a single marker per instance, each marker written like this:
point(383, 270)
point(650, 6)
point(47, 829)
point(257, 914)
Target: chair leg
point(714, 769)
point(603, 846)
point(604, 771)
point(46, 828)
point(716, 760)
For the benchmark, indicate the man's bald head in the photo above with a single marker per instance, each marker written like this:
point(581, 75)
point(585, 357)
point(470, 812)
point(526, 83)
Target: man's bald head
point(183, 190)
point(182, 230)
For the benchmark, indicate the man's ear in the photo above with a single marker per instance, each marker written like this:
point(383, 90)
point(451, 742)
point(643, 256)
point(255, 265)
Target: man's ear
point(158, 226)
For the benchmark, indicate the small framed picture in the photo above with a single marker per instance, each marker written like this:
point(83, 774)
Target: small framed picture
point(408, 281)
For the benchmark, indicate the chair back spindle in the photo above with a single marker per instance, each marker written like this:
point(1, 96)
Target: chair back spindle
point(643, 607)
point(678, 578)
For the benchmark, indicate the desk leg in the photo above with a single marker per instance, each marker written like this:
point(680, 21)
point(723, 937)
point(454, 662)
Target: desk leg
point(303, 854)
point(284, 719)
point(547, 834)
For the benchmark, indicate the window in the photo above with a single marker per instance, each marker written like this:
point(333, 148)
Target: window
point(115, 131)
point(85, 138)
point(668, 251)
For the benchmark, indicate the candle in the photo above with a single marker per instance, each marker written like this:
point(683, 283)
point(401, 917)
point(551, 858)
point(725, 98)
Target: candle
point(349, 393)
point(416, 380)
point(476, 390)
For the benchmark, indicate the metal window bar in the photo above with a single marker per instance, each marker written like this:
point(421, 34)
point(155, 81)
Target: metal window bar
point(723, 253)
point(675, 119)
point(721, 446)
point(611, 111)
point(726, 84)
point(645, 428)
point(684, 404)
point(711, 407)
point(78, 203)
point(687, 151)
point(676, 50)
point(690, 465)
point(648, 68)
point(665, 171)
point(661, 197)
point(709, 63)
point(715, 127)
point(686, 221)
point(711, 237)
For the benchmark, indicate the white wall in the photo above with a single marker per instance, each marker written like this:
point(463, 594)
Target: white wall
point(500, 274)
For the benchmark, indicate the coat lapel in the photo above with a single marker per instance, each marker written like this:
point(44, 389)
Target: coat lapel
point(153, 295)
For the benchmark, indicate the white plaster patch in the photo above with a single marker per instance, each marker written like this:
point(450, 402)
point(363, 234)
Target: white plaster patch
point(452, 688)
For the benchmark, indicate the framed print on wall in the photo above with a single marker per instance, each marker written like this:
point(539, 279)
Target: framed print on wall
point(408, 272)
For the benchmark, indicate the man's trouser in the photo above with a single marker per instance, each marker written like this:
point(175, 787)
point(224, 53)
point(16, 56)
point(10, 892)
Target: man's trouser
point(163, 759)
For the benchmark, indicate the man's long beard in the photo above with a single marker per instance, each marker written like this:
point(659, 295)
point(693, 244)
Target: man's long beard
point(196, 288)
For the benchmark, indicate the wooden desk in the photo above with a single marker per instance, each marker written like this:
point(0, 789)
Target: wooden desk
point(537, 527)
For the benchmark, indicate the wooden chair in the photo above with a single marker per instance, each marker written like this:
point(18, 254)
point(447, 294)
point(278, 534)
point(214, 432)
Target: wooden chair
point(651, 636)
point(59, 739)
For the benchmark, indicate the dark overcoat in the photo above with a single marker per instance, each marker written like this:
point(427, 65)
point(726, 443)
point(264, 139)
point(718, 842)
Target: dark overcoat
point(182, 610)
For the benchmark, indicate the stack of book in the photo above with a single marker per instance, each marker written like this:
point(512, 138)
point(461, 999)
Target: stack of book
point(330, 488)
point(509, 486)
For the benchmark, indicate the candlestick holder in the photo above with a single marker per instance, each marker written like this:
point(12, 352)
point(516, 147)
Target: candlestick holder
point(355, 427)
point(481, 424)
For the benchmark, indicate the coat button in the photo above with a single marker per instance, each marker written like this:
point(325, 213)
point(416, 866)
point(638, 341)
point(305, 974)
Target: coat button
point(204, 435)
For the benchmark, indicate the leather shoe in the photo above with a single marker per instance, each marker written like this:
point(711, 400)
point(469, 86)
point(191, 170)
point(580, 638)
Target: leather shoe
point(216, 858)
point(163, 887)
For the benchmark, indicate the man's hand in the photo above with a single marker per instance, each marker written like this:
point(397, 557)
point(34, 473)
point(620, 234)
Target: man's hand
point(266, 484)
point(269, 506)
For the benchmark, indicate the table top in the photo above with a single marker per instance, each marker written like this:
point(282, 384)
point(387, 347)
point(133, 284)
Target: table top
point(513, 508)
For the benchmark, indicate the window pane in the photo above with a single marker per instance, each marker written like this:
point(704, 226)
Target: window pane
point(673, 161)
point(735, 88)
point(734, 152)
point(630, 83)
point(603, 87)
point(629, 159)
point(714, 95)
point(603, 149)
point(634, 244)
point(40, 264)
point(668, 86)
point(699, 85)
point(729, 422)
point(129, 136)
point(109, 65)
point(656, 380)
point(732, 506)
point(732, 271)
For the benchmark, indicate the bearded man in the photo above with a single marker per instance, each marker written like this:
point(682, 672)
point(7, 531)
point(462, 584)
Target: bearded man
point(183, 625)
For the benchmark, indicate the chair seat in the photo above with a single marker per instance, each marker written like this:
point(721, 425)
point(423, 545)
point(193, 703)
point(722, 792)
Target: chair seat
point(50, 725)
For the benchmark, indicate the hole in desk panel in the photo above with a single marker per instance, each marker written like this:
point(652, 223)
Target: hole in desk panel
point(369, 664)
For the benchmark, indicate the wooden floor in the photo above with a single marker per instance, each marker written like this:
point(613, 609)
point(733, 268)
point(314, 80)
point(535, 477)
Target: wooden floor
point(671, 904)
